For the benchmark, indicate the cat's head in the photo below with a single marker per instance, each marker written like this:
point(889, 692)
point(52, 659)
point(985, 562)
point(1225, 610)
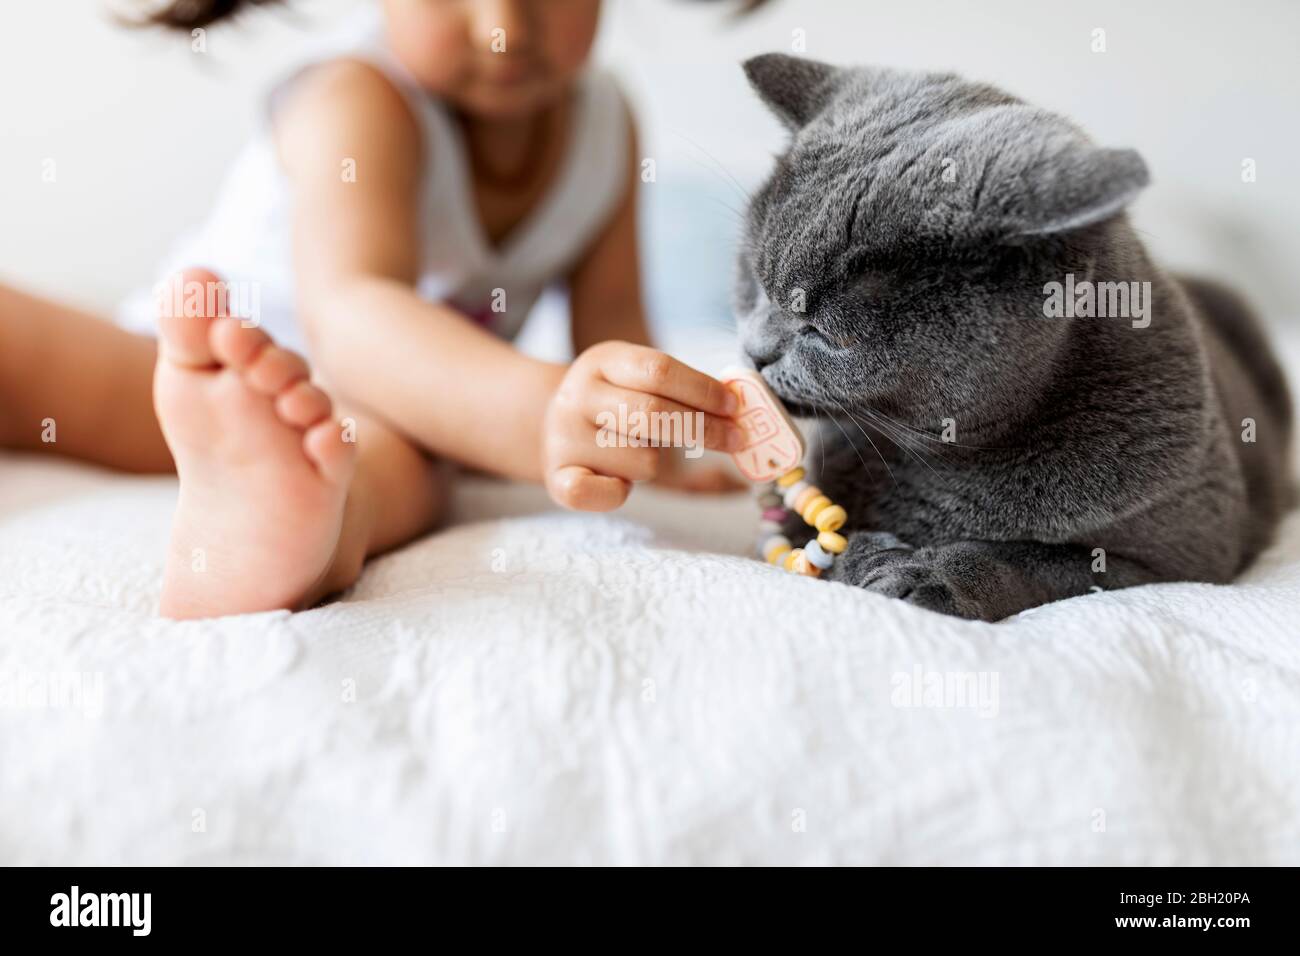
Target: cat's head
point(896, 257)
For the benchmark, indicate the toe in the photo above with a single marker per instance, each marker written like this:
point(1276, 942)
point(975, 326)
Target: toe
point(302, 405)
point(323, 443)
point(187, 303)
point(274, 370)
point(235, 345)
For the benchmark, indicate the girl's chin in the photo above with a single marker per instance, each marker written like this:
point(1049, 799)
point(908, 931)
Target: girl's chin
point(506, 101)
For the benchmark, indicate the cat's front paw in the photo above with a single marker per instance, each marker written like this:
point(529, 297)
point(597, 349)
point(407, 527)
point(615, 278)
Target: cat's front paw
point(883, 564)
point(868, 552)
point(916, 583)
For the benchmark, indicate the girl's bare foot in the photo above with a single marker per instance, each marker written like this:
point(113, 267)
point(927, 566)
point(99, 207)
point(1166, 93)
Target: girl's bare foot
point(264, 469)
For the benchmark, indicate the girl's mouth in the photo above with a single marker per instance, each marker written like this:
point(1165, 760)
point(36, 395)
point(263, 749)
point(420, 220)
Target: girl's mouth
point(511, 73)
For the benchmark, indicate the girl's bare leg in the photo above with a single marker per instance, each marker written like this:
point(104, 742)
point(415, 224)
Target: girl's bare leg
point(279, 504)
point(73, 384)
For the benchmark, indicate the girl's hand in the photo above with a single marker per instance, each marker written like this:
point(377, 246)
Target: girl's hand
point(697, 478)
point(596, 441)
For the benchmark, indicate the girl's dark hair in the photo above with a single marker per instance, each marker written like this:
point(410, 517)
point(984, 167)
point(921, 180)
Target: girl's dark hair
point(192, 14)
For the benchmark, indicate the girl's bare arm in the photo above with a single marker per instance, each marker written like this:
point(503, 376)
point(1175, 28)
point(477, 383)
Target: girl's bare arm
point(605, 298)
point(450, 386)
point(605, 286)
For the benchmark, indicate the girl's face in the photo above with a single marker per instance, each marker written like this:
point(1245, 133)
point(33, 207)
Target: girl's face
point(494, 58)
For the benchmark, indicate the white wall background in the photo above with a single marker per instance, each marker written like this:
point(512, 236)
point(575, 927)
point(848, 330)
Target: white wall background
point(140, 128)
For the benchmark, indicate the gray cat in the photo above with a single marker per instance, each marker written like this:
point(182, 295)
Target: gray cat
point(1016, 405)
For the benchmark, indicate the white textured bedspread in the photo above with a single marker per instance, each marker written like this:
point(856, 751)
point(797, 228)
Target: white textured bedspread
point(537, 687)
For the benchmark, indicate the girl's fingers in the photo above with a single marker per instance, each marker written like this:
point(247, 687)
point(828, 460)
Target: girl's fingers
point(644, 369)
point(708, 481)
point(622, 397)
point(663, 421)
point(581, 489)
point(582, 443)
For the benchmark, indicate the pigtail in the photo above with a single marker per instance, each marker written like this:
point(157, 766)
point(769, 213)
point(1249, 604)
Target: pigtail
point(193, 14)
point(742, 7)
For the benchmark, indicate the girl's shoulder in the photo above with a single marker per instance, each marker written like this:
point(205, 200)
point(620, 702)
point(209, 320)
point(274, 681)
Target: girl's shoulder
point(346, 107)
point(345, 80)
point(342, 85)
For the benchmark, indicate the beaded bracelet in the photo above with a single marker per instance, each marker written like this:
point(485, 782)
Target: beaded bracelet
point(791, 493)
point(772, 453)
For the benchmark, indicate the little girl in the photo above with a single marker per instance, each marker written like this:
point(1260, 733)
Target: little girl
point(417, 184)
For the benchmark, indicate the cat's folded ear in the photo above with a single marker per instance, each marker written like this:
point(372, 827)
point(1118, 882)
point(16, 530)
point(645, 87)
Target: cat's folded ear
point(1074, 188)
point(795, 88)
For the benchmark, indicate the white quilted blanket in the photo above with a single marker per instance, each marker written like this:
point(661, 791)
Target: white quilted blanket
point(537, 687)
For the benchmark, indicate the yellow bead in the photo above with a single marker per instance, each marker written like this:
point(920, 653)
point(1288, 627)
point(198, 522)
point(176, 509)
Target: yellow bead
point(803, 566)
point(832, 518)
point(776, 553)
point(832, 543)
point(791, 558)
point(805, 496)
point(815, 507)
point(789, 478)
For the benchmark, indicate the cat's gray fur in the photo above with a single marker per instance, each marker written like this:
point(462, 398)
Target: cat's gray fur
point(923, 300)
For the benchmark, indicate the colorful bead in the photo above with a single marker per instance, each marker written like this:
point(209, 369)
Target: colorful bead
point(807, 495)
point(793, 492)
point(775, 547)
point(789, 478)
point(813, 508)
point(814, 553)
point(803, 566)
point(832, 519)
point(832, 543)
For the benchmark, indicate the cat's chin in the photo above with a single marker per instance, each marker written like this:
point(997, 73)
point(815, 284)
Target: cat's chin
point(800, 406)
point(794, 404)
point(799, 409)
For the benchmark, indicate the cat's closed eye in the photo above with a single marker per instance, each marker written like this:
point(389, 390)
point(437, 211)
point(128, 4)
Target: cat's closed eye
point(810, 332)
point(871, 285)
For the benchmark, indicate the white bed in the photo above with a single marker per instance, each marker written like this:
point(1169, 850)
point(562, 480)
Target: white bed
point(538, 687)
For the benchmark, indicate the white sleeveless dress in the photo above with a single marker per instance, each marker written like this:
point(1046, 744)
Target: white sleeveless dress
point(246, 238)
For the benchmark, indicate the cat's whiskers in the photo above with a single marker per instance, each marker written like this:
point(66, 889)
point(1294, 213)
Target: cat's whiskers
point(865, 467)
point(855, 447)
point(821, 440)
point(739, 216)
point(745, 194)
point(898, 439)
point(920, 432)
point(719, 325)
point(892, 436)
point(897, 432)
